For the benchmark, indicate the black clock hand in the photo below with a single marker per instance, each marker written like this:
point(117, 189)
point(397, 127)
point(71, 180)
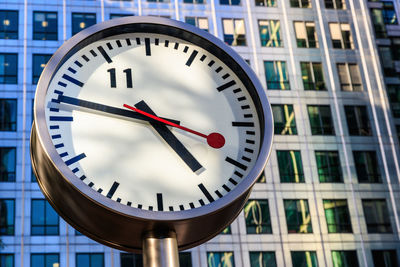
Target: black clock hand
point(106, 109)
point(171, 139)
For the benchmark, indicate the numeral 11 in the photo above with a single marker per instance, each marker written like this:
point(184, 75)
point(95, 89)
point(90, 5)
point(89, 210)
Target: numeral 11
point(113, 78)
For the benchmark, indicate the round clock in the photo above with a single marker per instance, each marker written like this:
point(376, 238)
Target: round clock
point(148, 125)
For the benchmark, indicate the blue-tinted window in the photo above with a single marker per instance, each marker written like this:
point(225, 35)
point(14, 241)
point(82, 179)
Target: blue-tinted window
point(276, 75)
point(8, 115)
point(262, 259)
point(90, 260)
point(39, 61)
point(8, 24)
point(229, 2)
point(7, 217)
point(7, 164)
point(82, 21)
point(44, 219)
point(234, 32)
point(218, 259)
point(136, 260)
point(115, 16)
point(8, 68)
point(7, 260)
point(45, 25)
point(45, 260)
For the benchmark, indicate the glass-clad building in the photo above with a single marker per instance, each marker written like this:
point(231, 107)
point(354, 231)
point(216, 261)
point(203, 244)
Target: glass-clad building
point(330, 193)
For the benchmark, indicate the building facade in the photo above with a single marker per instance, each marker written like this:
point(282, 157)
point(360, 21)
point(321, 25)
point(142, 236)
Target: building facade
point(330, 191)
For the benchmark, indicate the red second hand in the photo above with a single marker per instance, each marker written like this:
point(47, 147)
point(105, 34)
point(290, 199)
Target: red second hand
point(214, 140)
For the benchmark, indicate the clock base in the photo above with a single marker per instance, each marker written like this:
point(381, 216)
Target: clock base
point(160, 251)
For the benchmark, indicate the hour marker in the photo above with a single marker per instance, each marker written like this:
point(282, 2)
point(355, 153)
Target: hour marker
point(201, 202)
point(191, 205)
point(78, 64)
point(218, 193)
point(211, 63)
point(138, 40)
point(218, 69)
point(93, 53)
point(160, 205)
point(250, 141)
point(61, 118)
point(176, 46)
point(237, 90)
point(75, 159)
point(248, 115)
point(225, 76)
point(206, 193)
point(250, 132)
point(109, 46)
point(64, 154)
point(91, 184)
point(58, 92)
point(62, 84)
point(72, 80)
point(238, 174)
point(118, 200)
point(236, 163)
point(203, 57)
point(54, 110)
point(232, 181)
point(185, 49)
point(191, 58)
point(128, 42)
point(54, 127)
point(139, 206)
point(56, 136)
point(150, 207)
point(248, 150)
point(181, 207)
point(85, 58)
point(242, 124)
point(147, 45)
point(226, 188)
point(241, 98)
point(166, 43)
point(129, 203)
point(59, 145)
point(246, 159)
point(72, 70)
point(112, 190)
point(75, 170)
point(171, 208)
point(245, 107)
point(104, 54)
point(226, 85)
point(100, 190)
point(156, 41)
point(83, 177)
point(119, 43)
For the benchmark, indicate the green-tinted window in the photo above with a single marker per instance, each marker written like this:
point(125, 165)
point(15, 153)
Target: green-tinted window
point(367, 167)
point(45, 25)
point(8, 24)
point(44, 219)
point(257, 217)
point(394, 98)
point(284, 120)
point(328, 164)
point(82, 21)
point(376, 216)
point(357, 120)
point(261, 178)
point(8, 68)
point(276, 75)
point(45, 260)
point(337, 216)
point(7, 164)
point(39, 61)
point(312, 75)
point(267, 3)
point(8, 115)
point(320, 120)
point(290, 166)
point(270, 33)
point(298, 217)
point(300, 3)
point(89, 260)
point(6, 260)
point(344, 258)
point(7, 216)
point(220, 259)
point(385, 258)
point(378, 22)
point(227, 231)
point(304, 259)
point(262, 259)
point(335, 4)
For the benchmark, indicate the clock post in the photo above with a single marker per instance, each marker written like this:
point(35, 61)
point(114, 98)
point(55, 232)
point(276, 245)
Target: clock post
point(160, 251)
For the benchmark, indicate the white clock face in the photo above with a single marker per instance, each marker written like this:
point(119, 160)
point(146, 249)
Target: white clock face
point(136, 159)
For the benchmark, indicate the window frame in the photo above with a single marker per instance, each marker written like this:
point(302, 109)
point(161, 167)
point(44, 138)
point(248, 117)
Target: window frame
point(46, 34)
point(340, 226)
point(12, 121)
point(343, 44)
point(226, 36)
point(6, 171)
point(285, 84)
point(289, 176)
point(278, 42)
point(45, 255)
point(261, 256)
point(45, 227)
point(85, 19)
point(35, 77)
point(316, 85)
point(288, 127)
point(5, 78)
point(10, 34)
point(10, 228)
point(359, 124)
point(329, 170)
point(262, 227)
point(292, 212)
point(384, 214)
point(322, 128)
point(307, 42)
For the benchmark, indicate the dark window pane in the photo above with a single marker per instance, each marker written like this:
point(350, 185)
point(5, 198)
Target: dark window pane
point(337, 216)
point(8, 115)
point(90, 260)
point(389, 13)
point(219, 259)
point(298, 217)
point(320, 120)
point(82, 21)
point(8, 24)
point(7, 260)
point(45, 25)
point(7, 216)
point(329, 168)
point(304, 259)
point(44, 220)
point(185, 259)
point(8, 68)
point(367, 167)
point(357, 120)
point(115, 16)
point(257, 217)
point(276, 75)
point(7, 164)
point(290, 166)
point(393, 91)
point(131, 260)
point(376, 216)
point(344, 258)
point(39, 61)
point(45, 260)
point(385, 258)
point(262, 259)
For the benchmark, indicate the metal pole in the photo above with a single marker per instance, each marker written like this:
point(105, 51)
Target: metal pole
point(160, 251)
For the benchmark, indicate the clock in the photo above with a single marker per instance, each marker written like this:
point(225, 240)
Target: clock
point(148, 125)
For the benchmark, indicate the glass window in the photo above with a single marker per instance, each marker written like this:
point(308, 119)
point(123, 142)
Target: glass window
point(185, 259)
point(284, 120)
point(270, 33)
point(341, 35)
point(201, 23)
point(298, 217)
point(6, 260)
point(378, 23)
point(234, 32)
point(304, 259)
point(227, 231)
point(7, 217)
point(393, 91)
point(376, 216)
point(357, 120)
point(387, 62)
point(115, 16)
point(229, 2)
point(335, 4)
point(8, 24)
point(220, 259)
point(45, 25)
point(159, 1)
point(261, 178)
point(312, 75)
point(320, 120)
point(82, 21)
point(136, 260)
point(45, 260)
point(8, 68)
point(194, 1)
point(7, 164)
point(267, 3)
point(306, 36)
point(328, 164)
point(389, 13)
point(89, 259)
point(44, 219)
point(349, 76)
point(276, 75)
point(39, 61)
point(344, 258)
point(262, 259)
point(300, 3)
point(290, 166)
point(256, 213)
point(385, 258)
point(8, 115)
point(395, 47)
point(367, 167)
point(337, 216)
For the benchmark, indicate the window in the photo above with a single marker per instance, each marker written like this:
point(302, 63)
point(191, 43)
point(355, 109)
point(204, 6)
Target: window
point(312, 75)
point(276, 75)
point(300, 3)
point(39, 61)
point(349, 76)
point(8, 115)
point(185, 259)
point(378, 23)
point(7, 260)
point(341, 35)
point(7, 164)
point(44, 220)
point(194, 1)
point(136, 260)
point(201, 23)
point(298, 217)
point(159, 1)
point(304, 259)
point(220, 259)
point(8, 24)
point(261, 178)
point(270, 33)
point(226, 231)
point(385, 258)
point(7, 217)
point(290, 166)
point(389, 13)
point(344, 258)
point(337, 216)
point(267, 3)
point(234, 32)
point(328, 164)
point(229, 2)
point(335, 4)
point(357, 120)
point(395, 48)
point(306, 36)
point(387, 62)
point(82, 21)
point(376, 216)
point(115, 16)
point(8, 68)
point(366, 167)
point(394, 98)
point(45, 25)
point(284, 120)
point(45, 260)
point(262, 259)
point(320, 120)
point(256, 213)
point(89, 259)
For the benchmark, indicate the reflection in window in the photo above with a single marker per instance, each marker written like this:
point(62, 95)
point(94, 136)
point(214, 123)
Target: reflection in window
point(227, 231)
point(39, 61)
point(344, 258)
point(45, 25)
point(335, 4)
point(367, 167)
point(304, 259)
point(300, 3)
point(82, 21)
point(44, 220)
point(89, 260)
point(8, 68)
point(201, 23)
point(270, 33)
point(349, 76)
point(341, 35)
point(357, 120)
point(8, 115)
point(7, 216)
point(328, 164)
point(6, 260)
point(290, 166)
point(389, 13)
point(320, 120)
point(45, 260)
point(393, 91)
point(7, 164)
point(306, 36)
point(220, 259)
point(276, 75)
point(385, 258)
point(261, 178)
point(267, 3)
point(298, 217)
point(262, 259)
point(387, 61)
point(312, 75)
point(337, 216)
point(257, 217)
point(234, 32)
point(284, 120)
point(8, 24)
point(378, 23)
point(376, 216)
